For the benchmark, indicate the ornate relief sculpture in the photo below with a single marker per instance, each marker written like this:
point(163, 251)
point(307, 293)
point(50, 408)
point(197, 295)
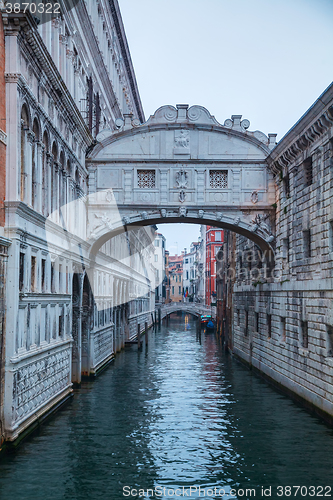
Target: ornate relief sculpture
point(181, 178)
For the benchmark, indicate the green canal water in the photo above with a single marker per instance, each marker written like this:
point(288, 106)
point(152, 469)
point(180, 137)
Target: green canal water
point(177, 415)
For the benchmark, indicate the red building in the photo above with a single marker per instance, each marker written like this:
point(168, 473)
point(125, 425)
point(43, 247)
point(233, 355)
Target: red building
point(214, 240)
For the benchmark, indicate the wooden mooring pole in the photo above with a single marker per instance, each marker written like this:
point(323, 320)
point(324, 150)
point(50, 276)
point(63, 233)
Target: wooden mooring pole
point(139, 339)
point(146, 333)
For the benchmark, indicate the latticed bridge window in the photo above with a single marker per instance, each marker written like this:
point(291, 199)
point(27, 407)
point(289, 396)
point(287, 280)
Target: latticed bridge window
point(146, 179)
point(218, 179)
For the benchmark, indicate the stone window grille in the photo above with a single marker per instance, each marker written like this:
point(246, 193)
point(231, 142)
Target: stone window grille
point(331, 236)
point(304, 334)
point(329, 330)
point(308, 171)
point(146, 179)
point(218, 179)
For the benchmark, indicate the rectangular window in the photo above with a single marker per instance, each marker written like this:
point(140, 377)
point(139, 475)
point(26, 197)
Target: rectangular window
point(43, 275)
point(156, 257)
point(217, 235)
point(218, 179)
point(283, 329)
point(33, 273)
point(173, 290)
point(246, 331)
point(146, 179)
point(329, 350)
point(285, 248)
point(238, 317)
point(157, 243)
point(61, 322)
point(257, 321)
point(307, 243)
point(330, 235)
point(22, 270)
point(308, 171)
point(269, 326)
point(304, 334)
point(286, 186)
point(180, 290)
point(52, 279)
point(187, 275)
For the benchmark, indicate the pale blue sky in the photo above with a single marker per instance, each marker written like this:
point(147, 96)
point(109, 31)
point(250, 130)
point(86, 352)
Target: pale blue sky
point(267, 60)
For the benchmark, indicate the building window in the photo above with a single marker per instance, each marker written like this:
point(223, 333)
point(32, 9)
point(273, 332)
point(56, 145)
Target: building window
point(22, 270)
point(173, 290)
point(283, 329)
point(157, 243)
point(269, 326)
point(329, 330)
point(308, 171)
point(285, 248)
point(286, 186)
point(156, 258)
point(187, 275)
point(246, 331)
point(180, 290)
point(52, 279)
point(331, 236)
point(146, 179)
point(307, 243)
point(238, 317)
point(217, 235)
point(33, 273)
point(218, 179)
point(43, 275)
point(61, 321)
point(304, 334)
point(257, 321)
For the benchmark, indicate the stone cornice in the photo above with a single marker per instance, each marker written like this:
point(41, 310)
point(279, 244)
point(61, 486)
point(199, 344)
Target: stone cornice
point(316, 122)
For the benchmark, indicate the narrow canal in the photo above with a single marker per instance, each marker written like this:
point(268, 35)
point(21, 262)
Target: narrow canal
point(180, 414)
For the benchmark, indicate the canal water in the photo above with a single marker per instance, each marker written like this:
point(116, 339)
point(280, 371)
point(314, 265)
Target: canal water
point(178, 415)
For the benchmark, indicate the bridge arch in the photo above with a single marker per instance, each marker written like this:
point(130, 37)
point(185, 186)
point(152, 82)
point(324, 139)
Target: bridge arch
point(182, 165)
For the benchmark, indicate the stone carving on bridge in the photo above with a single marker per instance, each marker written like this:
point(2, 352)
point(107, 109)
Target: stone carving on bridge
point(262, 222)
point(182, 142)
point(163, 212)
point(182, 196)
point(200, 214)
point(254, 197)
point(181, 178)
point(182, 212)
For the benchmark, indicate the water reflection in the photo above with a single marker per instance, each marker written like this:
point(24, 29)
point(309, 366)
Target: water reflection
point(179, 414)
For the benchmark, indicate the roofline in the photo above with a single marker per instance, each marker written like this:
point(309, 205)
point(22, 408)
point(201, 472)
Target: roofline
point(125, 52)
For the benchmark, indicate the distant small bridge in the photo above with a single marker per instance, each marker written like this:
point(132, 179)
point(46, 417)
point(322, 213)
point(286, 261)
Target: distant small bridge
point(188, 307)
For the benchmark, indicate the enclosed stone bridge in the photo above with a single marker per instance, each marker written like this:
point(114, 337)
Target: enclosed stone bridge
point(186, 307)
point(181, 166)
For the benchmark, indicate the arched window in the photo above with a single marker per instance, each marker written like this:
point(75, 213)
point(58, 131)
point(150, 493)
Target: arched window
point(34, 165)
point(54, 187)
point(23, 172)
point(62, 181)
point(45, 176)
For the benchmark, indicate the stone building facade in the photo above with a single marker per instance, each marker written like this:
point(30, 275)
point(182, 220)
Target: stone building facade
point(283, 317)
point(66, 80)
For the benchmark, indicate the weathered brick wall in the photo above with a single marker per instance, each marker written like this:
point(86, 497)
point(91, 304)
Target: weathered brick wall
point(284, 326)
point(2, 124)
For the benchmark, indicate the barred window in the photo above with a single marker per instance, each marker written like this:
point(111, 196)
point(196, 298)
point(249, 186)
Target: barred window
point(308, 171)
point(218, 179)
point(146, 179)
